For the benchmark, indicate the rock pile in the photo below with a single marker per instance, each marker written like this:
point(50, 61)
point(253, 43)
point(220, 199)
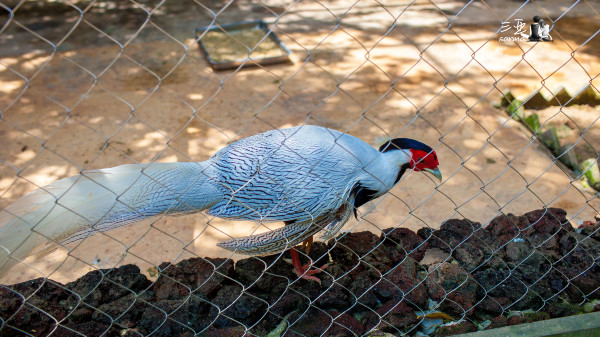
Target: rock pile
point(536, 262)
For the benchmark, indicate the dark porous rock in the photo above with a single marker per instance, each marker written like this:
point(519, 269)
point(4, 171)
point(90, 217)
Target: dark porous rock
point(473, 245)
point(546, 225)
point(309, 288)
point(573, 245)
point(551, 283)
point(203, 275)
point(516, 251)
point(154, 318)
point(395, 315)
point(370, 319)
point(535, 271)
point(259, 274)
point(44, 294)
point(530, 301)
point(587, 283)
point(490, 306)
point(574, 294)
point(469, 256)
point(249, 271)
point(532, 267)
point(402, 282)
point(106, 285)
point(289, 302)
point(504, 284)
point(493, 261)
point(193, 314)
point(456, 329)
point(336, 297)
point(445, 278)
point(315, 322)
point(235, 304)
point(318, 253)
point(506, 228)
point(126, 310)
point(236, 331)
point(134, 333)
point(591, 230)
point(80, 315)
point(362, 288)
point(342, 274)
point(434, 257)
point(130, 315)
point(555, 281)
point(568, 242)
point(487, 242)
point(452, 233)
point(549, 220)
point(350, 248)
point(451, 285)
point(523, 263)
point(86, 329)
point(426, 233)
point(345, 325)
point(579, 263)
point(403, 241)
point(491, 280)
point(281, 270)
point(168, 318)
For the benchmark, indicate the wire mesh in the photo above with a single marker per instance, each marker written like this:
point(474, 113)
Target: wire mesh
point(88, 85)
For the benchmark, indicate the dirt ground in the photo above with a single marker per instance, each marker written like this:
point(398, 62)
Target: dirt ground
point(121, 88)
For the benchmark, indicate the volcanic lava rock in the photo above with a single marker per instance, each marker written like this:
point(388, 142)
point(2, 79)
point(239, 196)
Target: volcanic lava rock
point(202, 275)
point(536, 261)
point(401, 242)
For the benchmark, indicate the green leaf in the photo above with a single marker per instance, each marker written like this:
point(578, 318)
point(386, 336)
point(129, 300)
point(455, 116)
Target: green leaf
point(534, 122)
point(516, 110)
point(280, 329)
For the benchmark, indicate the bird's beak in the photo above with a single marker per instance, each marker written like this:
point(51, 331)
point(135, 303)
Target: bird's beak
point(435, 172)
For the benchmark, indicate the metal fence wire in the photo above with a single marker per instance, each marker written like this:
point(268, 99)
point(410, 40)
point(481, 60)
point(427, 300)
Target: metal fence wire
point(508, 236)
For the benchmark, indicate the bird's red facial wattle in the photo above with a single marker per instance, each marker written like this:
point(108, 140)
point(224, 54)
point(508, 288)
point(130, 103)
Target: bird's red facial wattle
point(422, 160)
point(425, 161)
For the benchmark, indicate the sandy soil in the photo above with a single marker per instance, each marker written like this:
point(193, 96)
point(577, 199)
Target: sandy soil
point(124, 89)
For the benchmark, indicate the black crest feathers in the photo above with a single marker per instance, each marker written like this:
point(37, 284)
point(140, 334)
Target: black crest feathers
point(404, 144)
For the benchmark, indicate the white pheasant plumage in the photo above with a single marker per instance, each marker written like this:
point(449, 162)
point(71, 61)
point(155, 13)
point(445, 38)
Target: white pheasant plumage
point(308, 176)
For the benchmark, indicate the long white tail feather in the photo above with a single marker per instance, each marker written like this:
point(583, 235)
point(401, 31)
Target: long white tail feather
point(99, 200)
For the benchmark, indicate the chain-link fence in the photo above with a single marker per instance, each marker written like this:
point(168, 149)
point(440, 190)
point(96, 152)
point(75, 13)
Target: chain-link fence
point(504, 92)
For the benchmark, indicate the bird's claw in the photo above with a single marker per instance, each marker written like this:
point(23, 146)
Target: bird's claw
point(304, 271)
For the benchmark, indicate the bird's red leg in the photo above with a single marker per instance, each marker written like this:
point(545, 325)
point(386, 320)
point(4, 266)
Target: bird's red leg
point(303, 271)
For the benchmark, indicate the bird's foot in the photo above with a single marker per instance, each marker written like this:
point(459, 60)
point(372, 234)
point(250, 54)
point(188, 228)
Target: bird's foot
point(304, 271)
point(307, 274)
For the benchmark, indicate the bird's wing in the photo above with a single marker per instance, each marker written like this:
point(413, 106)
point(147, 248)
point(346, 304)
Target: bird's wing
point(284, 176)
